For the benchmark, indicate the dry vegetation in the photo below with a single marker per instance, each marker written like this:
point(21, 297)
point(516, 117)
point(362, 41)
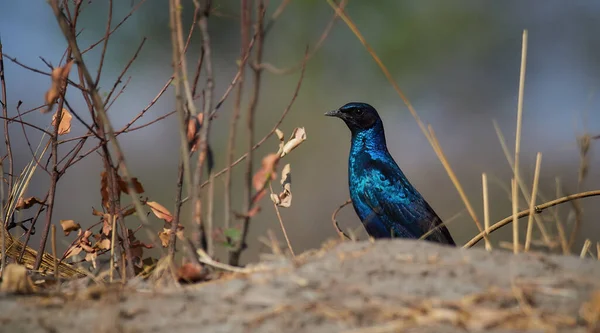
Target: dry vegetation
point(28, 269)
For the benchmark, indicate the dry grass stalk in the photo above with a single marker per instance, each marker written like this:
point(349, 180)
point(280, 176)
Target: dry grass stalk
point(585, 248)
point(539, 223)
point(486, 210)
point(562, 235)
point(515, 215)
point(534, 190)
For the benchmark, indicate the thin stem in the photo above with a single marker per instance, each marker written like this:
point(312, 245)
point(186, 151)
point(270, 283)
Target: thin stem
point(287, 239)
point(201, 233)
point(334, 221)
point(177, 213)
point(52, 192)
point(234, 256)
point(244, 51)
point(104, 46)
point(6, 133)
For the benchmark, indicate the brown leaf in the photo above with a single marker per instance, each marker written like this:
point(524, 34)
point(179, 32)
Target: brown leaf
point(193, 129)
point(106, 224)
point(298, 136)
point(65, 121)
point(59, 76)
point(104, 189)
point(266, 172)
point(137, 186)
point(137, 249)
point(97, 212)
point(68, 226)
point(25, 203)
point(191, 272)
point(260, 180)
point(83, 244)
point(16, 281)
point(164, 236)
point(160, 211)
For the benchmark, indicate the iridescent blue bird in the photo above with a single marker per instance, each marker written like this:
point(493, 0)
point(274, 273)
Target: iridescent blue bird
point(383, 198)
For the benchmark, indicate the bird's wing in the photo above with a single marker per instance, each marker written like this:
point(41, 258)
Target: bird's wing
point(400, 205)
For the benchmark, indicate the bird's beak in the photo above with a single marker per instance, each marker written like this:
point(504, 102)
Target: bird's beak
point(333, 113)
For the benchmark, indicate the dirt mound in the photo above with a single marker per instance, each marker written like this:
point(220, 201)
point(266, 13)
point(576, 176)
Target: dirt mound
point(387, 286)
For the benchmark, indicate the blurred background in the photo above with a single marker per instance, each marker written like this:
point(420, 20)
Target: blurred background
point(457, 62)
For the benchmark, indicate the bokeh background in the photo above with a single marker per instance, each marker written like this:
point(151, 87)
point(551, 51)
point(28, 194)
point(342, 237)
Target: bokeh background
point(458, 63)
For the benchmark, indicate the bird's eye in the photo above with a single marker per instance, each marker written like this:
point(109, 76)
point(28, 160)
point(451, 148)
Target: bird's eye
point(359, 112)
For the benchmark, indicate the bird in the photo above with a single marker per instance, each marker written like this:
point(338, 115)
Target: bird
point(388, 205)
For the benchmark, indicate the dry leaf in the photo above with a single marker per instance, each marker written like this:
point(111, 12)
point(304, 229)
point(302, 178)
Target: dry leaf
point(64, 126)
point(193, 129)
point(123, 186)
point(261, 178)
point(97, 212)
point(91, 257)
point(281, 140)
point(68, 226)
point(59, 76)
point(83, 244)
point(27, 202)
point(136, 247)
point(160, 211)
point(87, 248)
point(298, 136)
point(191, 272)
point(275, 198)
point(164, 236)
point(266, 172)
point(284, 199)
point(86, 236)
point(73, 251)
point(106, 224)
point(104, 189)
point(16, 281)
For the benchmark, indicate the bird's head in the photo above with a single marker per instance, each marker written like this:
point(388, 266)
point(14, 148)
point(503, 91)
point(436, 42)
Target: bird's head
point(357, 116)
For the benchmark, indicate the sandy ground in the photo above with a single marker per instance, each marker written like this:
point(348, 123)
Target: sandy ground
point(387, 286)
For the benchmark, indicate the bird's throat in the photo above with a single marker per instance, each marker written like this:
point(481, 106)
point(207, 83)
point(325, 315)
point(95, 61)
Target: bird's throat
point(372, 139)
